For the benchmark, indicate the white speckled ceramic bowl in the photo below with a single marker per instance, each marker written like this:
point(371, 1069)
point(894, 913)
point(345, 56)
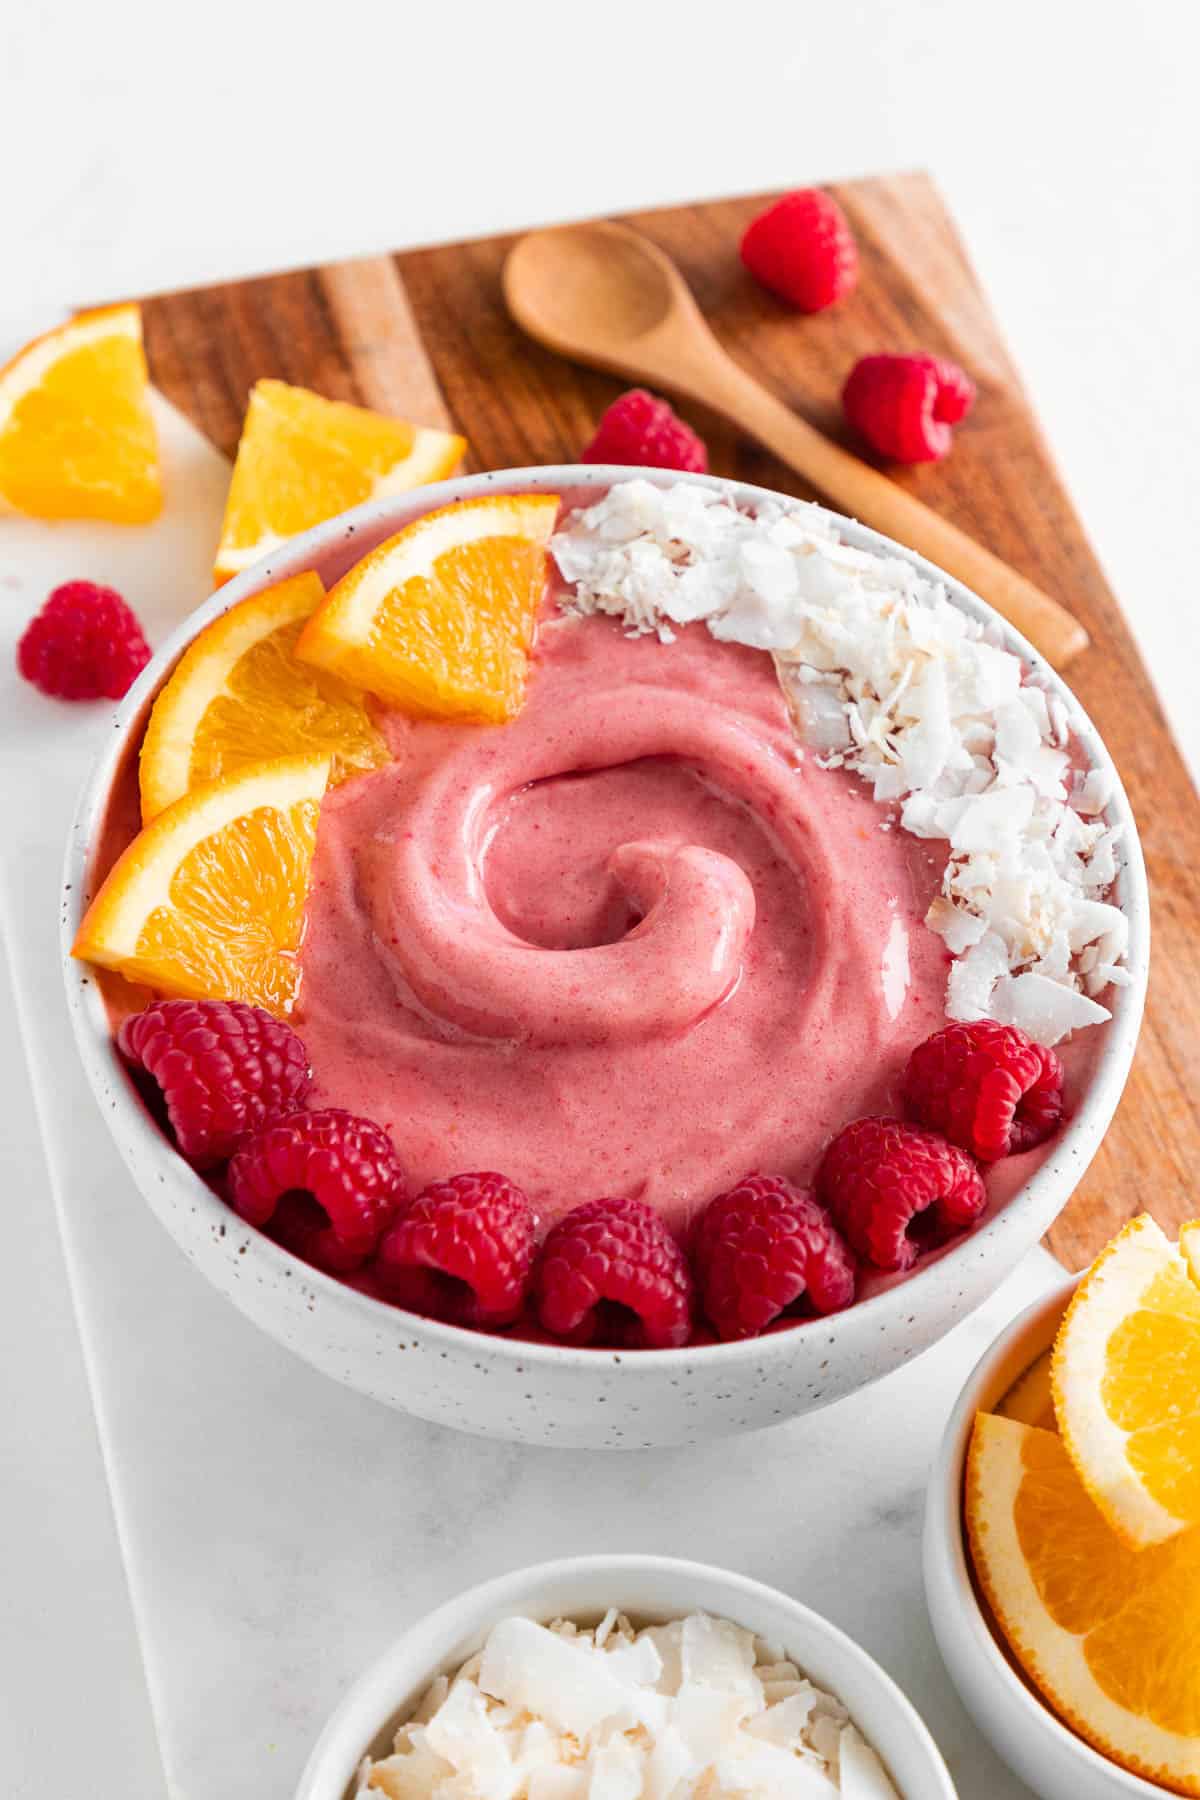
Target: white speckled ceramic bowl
point(539, 1393)
point(649, 1590)
point(1021, 1728)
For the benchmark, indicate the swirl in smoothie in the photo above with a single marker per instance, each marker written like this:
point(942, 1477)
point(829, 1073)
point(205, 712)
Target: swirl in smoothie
point(629, 943)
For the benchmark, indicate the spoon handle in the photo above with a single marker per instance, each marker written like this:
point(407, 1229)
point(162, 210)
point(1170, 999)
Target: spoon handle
point(856, 488)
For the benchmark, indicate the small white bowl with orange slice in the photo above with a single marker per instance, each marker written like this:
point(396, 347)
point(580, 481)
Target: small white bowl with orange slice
point(1062, 1530)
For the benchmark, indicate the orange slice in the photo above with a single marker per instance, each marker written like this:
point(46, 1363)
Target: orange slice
point(439, 619)
point(1189, 1248)
point(1031, 1399)
point(303, 459)
point(1107, 1633)
point(77, 438)
point(239, 695)
point(1126, 1377)
point(208, 900)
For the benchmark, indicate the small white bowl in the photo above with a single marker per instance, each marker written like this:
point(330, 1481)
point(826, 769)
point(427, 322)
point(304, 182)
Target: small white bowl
point(650, 1590)
point(1021, 1728)
point(547, 1393)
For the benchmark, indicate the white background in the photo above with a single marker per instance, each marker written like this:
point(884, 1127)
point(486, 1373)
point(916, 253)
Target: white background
point(144, 146)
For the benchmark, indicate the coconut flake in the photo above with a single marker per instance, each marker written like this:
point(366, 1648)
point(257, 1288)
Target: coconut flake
point(863, 1775)
point(568, 1685)
point(710, 1710)
point(1044, 1010)
point(885, 676)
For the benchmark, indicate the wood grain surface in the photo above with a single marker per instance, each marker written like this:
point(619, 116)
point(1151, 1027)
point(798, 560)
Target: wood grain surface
point(425, 334)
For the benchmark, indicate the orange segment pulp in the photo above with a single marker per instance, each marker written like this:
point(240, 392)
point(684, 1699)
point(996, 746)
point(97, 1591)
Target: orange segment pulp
point(77, 438)
point(239, 695)
point(303, 459)
point(208, 901)
point(440, 618)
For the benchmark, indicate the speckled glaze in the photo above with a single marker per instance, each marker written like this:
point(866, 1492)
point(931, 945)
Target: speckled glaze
point(1023, 1731)
point(650, 1590)
point(545, 1394)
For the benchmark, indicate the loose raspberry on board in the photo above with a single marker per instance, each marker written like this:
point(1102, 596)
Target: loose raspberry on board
point(905, 406)
point(803, 250)
point(640, 429)
point(84, 644)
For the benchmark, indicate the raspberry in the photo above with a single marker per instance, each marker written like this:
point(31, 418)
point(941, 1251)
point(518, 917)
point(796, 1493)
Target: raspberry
point(895, 1189)
point(611, 1273)
point(986, 1087)
point(84, 644)
point(761, 1248)
point(641, 429)
point(337, 1176)
point(223, 1068)
point(904, 406)
point(802, 248)
point(462, 1251)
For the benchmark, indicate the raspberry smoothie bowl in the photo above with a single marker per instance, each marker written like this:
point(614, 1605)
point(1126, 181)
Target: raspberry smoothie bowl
point(637, 944)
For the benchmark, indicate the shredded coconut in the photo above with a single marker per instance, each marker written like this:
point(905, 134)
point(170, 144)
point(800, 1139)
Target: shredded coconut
point(886, 677)
point(696, 1707)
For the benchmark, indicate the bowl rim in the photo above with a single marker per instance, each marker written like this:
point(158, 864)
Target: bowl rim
point(367, 1697)
point(1073, 1150)
point(945, 1544)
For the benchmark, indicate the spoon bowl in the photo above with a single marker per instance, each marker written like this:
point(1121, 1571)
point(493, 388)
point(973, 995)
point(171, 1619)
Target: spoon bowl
point(581, 286)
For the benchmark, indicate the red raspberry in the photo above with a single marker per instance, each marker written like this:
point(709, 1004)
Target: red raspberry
point(338, 1176)
point(802, 248)
point(760, 1248)
point(641, 429)
point(462, 1251)
point(611, 1273)
point(85, 644)
point(985, 1086)
point(895, 1189)
point(905, 405)
point(224, 1069)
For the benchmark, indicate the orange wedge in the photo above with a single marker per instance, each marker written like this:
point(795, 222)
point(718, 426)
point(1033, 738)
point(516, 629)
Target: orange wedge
point(1031, 1399)
point(77, 438)
point(1107, 1633)
point(439, 619)
point(1189, 1248)
point(208, 900)
point(239, 695)
point(303, 459)
point(1126, 1378)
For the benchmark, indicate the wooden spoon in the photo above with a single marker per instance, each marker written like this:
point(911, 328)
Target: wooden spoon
point(602, 294)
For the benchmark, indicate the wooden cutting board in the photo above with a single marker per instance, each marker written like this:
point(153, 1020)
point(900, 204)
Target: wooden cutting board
point(425, 334)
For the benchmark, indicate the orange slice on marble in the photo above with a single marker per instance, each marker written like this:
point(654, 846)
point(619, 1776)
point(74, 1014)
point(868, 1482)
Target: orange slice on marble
point(77, 437)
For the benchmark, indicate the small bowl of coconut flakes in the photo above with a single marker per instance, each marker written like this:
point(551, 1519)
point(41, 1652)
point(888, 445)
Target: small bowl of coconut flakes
point(625, 1678)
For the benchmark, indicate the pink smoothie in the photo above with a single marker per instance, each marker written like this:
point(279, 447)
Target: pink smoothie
point(628, 943)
